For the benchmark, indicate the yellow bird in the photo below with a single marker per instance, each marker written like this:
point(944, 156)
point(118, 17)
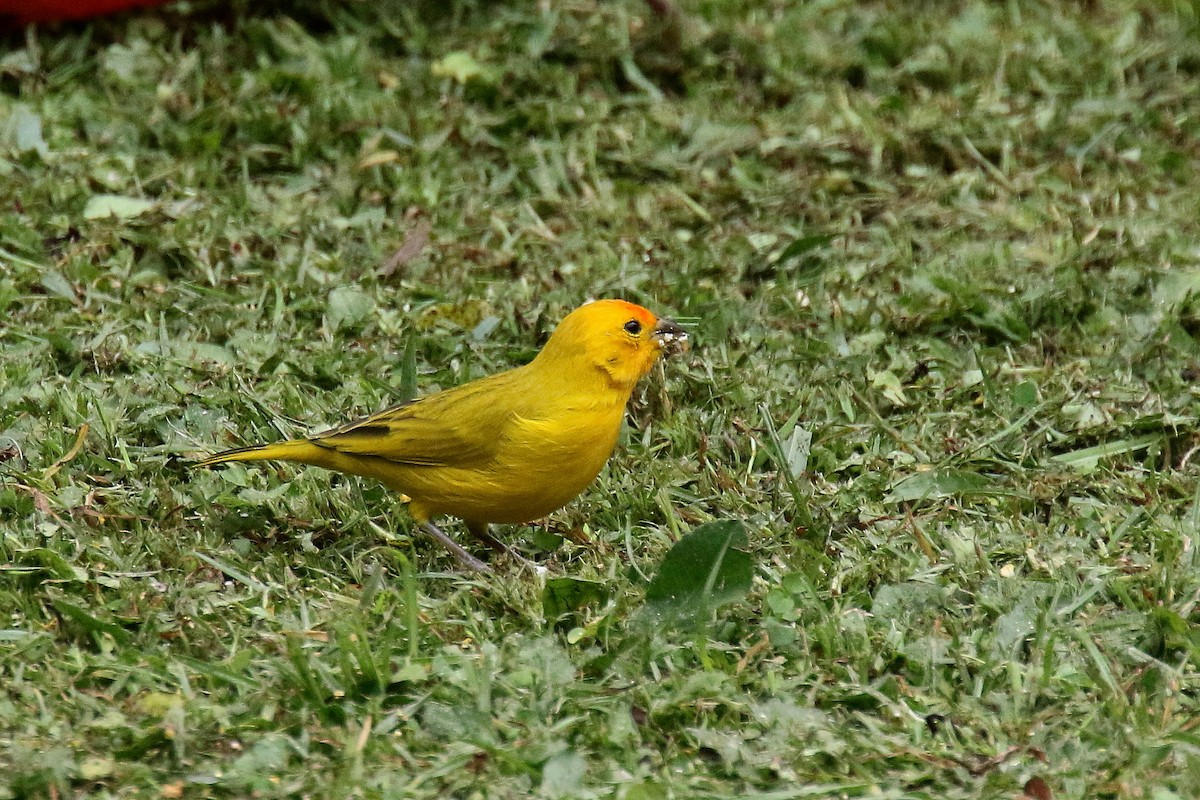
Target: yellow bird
point(508, 448)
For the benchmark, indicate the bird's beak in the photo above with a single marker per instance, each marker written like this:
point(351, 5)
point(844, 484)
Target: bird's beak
point(670, 337)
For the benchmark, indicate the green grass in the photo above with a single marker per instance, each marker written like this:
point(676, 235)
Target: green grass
point(954, 244)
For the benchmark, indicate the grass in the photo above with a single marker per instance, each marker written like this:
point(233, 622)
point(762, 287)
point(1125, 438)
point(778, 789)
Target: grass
point(941, 269)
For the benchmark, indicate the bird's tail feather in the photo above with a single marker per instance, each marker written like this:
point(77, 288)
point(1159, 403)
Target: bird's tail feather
point(299, 450)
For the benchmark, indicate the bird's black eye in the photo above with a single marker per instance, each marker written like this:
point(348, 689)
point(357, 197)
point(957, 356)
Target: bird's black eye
point(633, 326)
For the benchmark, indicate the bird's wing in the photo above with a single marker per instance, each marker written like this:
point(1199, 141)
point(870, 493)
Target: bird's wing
point(460, 427)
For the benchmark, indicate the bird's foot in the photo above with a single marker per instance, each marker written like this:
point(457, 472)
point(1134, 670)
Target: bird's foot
point(466, 559)
point(481, 533)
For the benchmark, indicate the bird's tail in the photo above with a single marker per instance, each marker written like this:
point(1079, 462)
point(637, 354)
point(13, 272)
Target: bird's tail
point(298, 450)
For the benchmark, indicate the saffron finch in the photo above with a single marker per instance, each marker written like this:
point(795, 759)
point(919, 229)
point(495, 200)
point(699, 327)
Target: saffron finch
point(508, 448)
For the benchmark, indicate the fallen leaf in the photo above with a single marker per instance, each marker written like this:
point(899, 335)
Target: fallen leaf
point(414, 242)
point(378, 158)
point(1036, 789)
point(70, 454)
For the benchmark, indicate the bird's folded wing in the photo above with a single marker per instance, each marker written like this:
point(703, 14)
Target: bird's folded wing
point(457, 428)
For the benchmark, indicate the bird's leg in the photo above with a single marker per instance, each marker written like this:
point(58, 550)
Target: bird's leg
point(480, 531)
point(466, 559)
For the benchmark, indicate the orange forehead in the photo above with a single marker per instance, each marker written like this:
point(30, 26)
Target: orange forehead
point(633, 310)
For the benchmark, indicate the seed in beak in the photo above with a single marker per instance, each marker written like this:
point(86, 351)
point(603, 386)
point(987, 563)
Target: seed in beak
point(670, 337)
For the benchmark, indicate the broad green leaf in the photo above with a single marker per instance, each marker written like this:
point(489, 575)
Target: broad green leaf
point(1167, 634)
point(1016, 625)
point(54, 563)
point(97, 768)
point(1087, 458)
point(193, 352)
point(24, 129)
point(707, 568)
point(54, 283)
point(101, 206)
point(781, 632)
point(941, 483)
point(1025, 394)
point(907, 601)
point(150, 738)
point(1176, 288)
point(409, 672)
point(231, 571)
point(462, 67)
point(546, 541)
point(804, 245)
point(254, 767)
point(370, 218)
point(349, 308)
point(562, 775)
point(644, 790)
point(714, 139)
point(809, 262)
point(566, 595)
point(888, 383)
point(90, 623)
point(780, 602)
point(215, 671)
point(762, 240)
point(484, 329)
point(1163, 793)
point(796, 450)
point(190, 352)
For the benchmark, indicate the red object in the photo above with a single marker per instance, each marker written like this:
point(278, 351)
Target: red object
point(49, 10)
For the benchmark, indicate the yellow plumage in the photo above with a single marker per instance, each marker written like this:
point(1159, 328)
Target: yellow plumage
point(508, 448)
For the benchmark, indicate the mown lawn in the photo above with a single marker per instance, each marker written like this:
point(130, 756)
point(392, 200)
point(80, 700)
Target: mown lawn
point(941, 263)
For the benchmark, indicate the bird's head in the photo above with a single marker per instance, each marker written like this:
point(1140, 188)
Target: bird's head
point(619, 339)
